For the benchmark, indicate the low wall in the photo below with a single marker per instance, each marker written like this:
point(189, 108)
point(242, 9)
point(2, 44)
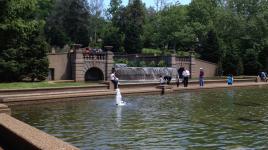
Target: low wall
point(4, 109)
point(15, 134)
point(61, 65)
point(137, 87)
point(209, 68)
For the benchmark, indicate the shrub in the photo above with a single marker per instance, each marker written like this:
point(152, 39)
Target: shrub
point(162, 64)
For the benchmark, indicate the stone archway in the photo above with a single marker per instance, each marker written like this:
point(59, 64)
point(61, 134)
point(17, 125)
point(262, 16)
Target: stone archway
point(94, 74)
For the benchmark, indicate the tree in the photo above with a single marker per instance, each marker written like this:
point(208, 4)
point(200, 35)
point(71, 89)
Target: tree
point(210, 49)
point(96, 9)
point(251, 65)
point(44, 8)
point(133, 27)
point(113, 31)
point(23, 52)
point(69, 23)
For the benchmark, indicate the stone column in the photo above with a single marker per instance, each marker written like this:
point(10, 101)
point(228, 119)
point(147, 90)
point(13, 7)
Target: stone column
point(193, 66)
point(109, 65)
point(173, 61)
point(5, 109)
point(78, 64)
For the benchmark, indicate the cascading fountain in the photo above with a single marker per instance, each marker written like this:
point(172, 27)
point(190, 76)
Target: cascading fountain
point(118, 98)
point(144, 73)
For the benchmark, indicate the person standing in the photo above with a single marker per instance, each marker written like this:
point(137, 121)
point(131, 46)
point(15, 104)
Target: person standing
point(230, 79)
point(161, 80)
point(180, 76)
point(114, 79)
point(201, 77)
point(186, 75)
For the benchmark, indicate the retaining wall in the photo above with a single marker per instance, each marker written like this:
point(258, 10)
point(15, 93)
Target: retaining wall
point(15, 134)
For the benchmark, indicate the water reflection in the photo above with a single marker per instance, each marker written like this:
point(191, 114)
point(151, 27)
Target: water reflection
point(118, 116)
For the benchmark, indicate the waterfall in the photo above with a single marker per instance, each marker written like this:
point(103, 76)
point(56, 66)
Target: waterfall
point(144, 73)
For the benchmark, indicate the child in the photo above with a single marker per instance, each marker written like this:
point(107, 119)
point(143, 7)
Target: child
point(161, 80)
point(230, 79)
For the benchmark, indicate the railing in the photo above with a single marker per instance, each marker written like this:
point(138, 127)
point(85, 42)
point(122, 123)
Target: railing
point(95, 56)
point(183, 59)
point(145, 58)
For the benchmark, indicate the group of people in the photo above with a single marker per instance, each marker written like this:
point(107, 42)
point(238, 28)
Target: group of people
point(91, 51)
point(262, 76)
point(183, 77)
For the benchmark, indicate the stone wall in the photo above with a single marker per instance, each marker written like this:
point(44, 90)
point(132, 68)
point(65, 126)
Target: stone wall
point(209, 68)
point(15, 134)
point(61, 65)
point(73, 66)
point(194, 65)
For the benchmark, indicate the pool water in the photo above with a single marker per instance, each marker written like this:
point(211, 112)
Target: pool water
point(233, 118)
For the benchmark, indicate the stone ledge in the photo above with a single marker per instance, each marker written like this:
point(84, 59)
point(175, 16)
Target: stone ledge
point(164, 86)
point(4, 109)
point(27, 137)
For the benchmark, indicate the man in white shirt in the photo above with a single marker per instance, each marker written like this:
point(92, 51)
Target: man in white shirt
point(114, 79)
point(186, 75)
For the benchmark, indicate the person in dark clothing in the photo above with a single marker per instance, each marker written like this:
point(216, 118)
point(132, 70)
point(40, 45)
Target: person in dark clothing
point(180, 76)
point(167, 79)
point(180, 71)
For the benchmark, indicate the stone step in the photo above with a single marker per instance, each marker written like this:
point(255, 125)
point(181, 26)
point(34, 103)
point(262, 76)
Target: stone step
point(50, 93)
point(53, 96)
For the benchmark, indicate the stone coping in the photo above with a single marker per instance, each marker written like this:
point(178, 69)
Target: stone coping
point(126, 91)
point(15, 134)
point(4, 109)
point(105, 86)
point(52, 88)
point(2, 106)
point(23, 97)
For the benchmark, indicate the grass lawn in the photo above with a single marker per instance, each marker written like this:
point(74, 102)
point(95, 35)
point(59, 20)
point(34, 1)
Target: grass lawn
point(45, 84)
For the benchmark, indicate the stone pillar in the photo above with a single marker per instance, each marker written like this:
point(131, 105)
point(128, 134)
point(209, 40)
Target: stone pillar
point(173, 61)
point(78, 64)
point(5, 109)
point(109, 65)
point(193, 66)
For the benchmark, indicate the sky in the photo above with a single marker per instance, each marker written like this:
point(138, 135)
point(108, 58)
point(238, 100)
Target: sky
point(147, 2)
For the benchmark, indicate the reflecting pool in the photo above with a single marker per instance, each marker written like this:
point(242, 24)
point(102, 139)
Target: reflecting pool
point(234, 118)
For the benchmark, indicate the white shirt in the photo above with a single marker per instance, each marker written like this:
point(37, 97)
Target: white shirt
point(161, 80)
point(112, 76)
point(186, 73)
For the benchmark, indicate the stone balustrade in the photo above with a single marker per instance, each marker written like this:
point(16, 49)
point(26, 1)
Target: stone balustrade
point(96, 57)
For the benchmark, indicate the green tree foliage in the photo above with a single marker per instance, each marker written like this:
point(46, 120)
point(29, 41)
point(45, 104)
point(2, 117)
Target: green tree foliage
point(113, 32)
point(22, 46)
point(133, 26)
point(231, 33)
point(44, 8)
point(210, 49)
point(69, 23)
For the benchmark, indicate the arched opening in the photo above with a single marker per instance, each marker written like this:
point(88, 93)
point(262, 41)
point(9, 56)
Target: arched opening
point(94, 74)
